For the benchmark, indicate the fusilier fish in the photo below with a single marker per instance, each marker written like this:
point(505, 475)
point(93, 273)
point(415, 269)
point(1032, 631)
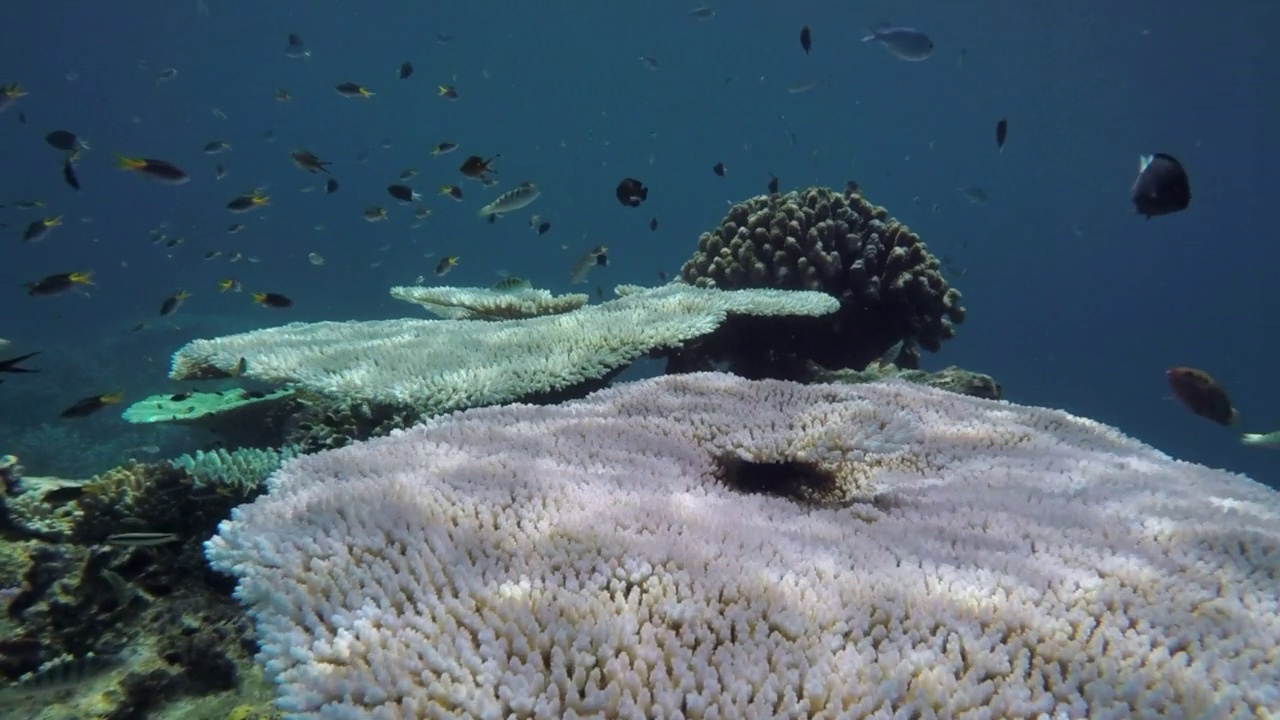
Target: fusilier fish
point(904, 42)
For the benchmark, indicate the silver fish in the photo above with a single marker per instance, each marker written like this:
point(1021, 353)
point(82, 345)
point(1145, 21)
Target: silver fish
point(141, 539)
point(905, 43)
point(512, 200)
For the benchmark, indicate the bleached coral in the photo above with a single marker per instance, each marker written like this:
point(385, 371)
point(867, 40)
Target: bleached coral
point(467, 303)
point(441, 365)
point(643, 553)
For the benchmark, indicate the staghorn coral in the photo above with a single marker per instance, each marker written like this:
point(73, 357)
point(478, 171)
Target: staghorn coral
point(889, 286)
point(703, 546)
point(467, 303)
point(437, 366)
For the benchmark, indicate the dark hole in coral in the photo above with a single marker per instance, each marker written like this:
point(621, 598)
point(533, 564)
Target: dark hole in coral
point(790, 479)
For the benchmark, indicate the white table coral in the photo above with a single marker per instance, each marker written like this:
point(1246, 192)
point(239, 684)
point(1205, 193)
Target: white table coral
point(968, 559)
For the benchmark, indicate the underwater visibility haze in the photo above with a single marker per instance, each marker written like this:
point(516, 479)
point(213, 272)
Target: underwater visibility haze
point(234, 234)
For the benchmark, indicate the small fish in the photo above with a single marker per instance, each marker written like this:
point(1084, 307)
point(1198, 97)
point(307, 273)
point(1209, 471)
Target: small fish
point(718, 169)
point(229, 285)
point(9, 93)
point(315, 258)
point(309, 161)
point(352, 90)
point(282, 95)
point(247, 202)
point(159, 170)
point(215, 147)
point(851, 187)
point(403, 193)
point(1201, 394)
point(11, 365)
point(272, 300)
point(219, 172)
point(85, 407)
point(511, 284)
point(597, 256)
point(40, 229)
point(448, 92)
point(69, 174)
point(406, 69)
point(296, 49)
point(444, 38)
point(631, 192)
point(974, 194)
point(649, 61)
point(903, 43)
point(408, 174)
point(375, 214)
point(1002, 132)
point(702, 13)
point(806, 40)
point(63, 140)
point(330, 186)
point(452, 191)
point(28, 204)
point(166, 75)
point(141, 539)
point(234, 228)
point(173, 302)
point(543, 228)
point(801, 88)
point(443, 148)
point(477, 167)
point(773, 184)
point(512, 200)
point(653, 224)
point(422, 212)
point(58, 283)
point(1162, 186)
point(446, 264)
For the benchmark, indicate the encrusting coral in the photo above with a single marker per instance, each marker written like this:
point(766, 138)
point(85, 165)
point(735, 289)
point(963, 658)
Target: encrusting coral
point(467, 303)
point(438, 366)
point(889, 286)
point(705, 546)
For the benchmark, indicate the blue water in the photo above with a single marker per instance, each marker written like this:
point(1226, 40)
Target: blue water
point(1073, 301)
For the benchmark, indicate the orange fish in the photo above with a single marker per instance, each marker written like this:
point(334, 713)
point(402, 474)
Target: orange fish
point(1202, 395)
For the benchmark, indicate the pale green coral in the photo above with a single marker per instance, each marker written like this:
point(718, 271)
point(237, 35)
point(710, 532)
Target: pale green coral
point(197, 406)
point(238, 472)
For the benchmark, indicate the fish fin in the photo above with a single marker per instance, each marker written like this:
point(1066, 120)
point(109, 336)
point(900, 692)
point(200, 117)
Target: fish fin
point(1235, 417)
point(1144, 161)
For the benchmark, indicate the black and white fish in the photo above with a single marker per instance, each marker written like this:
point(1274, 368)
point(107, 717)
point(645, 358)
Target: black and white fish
point(1162, 186)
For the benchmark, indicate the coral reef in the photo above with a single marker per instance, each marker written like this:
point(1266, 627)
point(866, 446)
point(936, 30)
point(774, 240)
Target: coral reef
point(436, 366)
point(237, 417)
point(951, 378)
point(464, 303)
point(98, 625)
point(707, 546)
point(889, 286)
point(238, 473)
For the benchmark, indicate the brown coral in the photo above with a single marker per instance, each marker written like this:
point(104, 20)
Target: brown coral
point(890, 287)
